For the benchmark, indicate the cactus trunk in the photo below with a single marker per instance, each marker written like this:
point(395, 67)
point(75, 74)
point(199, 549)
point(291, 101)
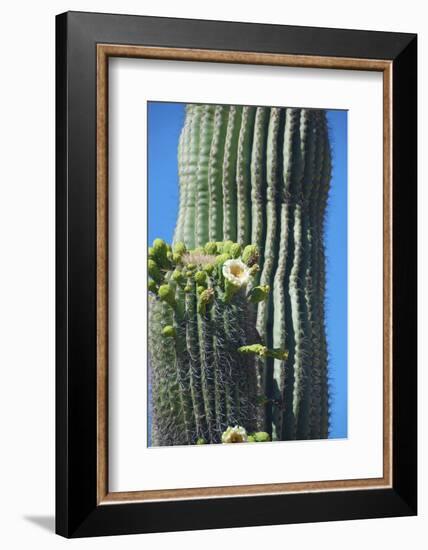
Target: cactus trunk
point(259, 176)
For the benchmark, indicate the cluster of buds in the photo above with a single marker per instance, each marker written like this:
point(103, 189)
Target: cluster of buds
point(221, 269)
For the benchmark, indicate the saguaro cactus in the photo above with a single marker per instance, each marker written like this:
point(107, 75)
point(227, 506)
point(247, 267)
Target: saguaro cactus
point(203, 343)
point(262, 175)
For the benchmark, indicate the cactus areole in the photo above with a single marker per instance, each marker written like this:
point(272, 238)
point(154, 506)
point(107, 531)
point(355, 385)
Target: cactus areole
point(237, 338)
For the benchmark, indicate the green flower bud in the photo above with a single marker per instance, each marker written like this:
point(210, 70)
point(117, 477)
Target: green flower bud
point(201, 277)
point(169, 331)
point(200, 441)
point(166, 294)
point(179, 248)
point(178, 277)
point(160, 252)
point(191, 267)
point(259, 294)
point(154, 271)
point(235, 250)
point(200, 289)
point(219, 261)
point(151, 253)
point(220, 247)
point(187, 289)
point(227, 245)
point(206, 297)
point(152, 286)
point(261, 437)
point(177, 258)
point(251, 439)
point(250, 256)
point(208, 268)
point(254, 269)
point(160, 245)
point(210, 248)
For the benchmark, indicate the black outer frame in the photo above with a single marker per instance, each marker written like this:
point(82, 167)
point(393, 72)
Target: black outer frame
point(77, 513)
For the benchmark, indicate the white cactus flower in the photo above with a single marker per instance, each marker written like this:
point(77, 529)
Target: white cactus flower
point(236, 272)
point(236, 434)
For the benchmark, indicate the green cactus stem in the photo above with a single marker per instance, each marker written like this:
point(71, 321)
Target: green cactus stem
point(260, 176)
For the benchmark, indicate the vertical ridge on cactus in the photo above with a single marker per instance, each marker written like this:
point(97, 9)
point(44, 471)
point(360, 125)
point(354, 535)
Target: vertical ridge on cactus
point(270, 254)
point(215, 173)
point(202, 184)
point(195, 114)
point(229, 174)
point(243, 175)
point(282, 319)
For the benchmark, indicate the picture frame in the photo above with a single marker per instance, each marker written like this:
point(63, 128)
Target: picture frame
point(84, 44)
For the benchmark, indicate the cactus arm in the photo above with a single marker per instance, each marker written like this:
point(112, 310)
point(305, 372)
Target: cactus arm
point(215, 174)
point(243, 176)
point(229, 173)
point(202, 188)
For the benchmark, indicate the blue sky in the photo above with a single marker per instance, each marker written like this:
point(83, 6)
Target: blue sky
point(165, 121)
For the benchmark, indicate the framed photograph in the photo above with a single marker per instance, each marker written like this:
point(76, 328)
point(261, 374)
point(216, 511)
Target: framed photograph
point(236, 274)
